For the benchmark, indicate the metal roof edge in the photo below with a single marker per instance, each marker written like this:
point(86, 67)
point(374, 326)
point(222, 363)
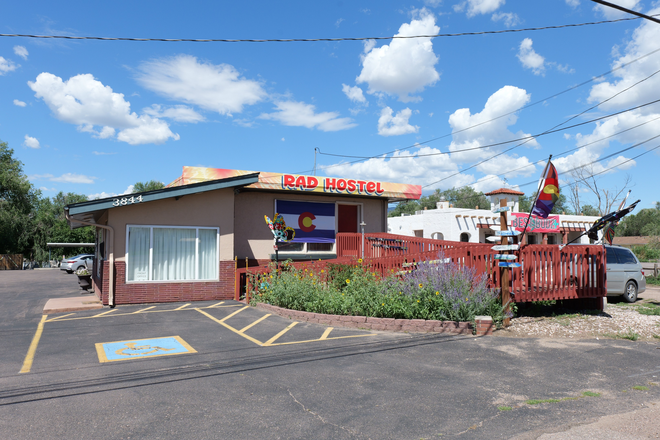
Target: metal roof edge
point(164, 193)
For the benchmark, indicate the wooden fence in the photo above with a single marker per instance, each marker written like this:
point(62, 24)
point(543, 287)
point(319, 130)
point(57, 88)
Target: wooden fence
point(575, 272)
point(11, 262)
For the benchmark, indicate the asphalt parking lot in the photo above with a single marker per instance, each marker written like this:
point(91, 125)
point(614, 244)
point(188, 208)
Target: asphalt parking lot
point(243, 375)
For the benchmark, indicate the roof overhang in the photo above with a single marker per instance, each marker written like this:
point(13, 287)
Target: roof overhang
point(91, 210)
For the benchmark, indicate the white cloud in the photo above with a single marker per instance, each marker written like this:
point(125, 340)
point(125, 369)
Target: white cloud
point(84, 101)
point(218, 88)
point(643, 41)
point(573, 3)
point(66, 178)
point(477, 7)
point(492, 182)
point(510, 19)
point(100, 153)
point(389, 125)
point(529, 58)
point(477, 131)
point(21, 51)
point(433, 168)
point(433, 3)
point(179, 113)
point(299, 114)
point(31, 142)
point(7, 66)
point(354, 94)
point(404, 66)
point(19, 103)
point(406, 167)
point(612, 14)
point(101, 195)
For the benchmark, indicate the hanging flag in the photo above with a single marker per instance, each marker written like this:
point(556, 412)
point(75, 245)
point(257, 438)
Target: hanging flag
point(548, 194)
point(608, 233)
point(313, 222)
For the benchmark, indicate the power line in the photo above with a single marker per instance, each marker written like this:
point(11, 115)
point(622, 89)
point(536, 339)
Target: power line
point(308, 40)
point(417, 144)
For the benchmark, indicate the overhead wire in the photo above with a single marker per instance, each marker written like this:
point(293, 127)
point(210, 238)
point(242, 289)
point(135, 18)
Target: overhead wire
point(417, 144)
point(308, 40)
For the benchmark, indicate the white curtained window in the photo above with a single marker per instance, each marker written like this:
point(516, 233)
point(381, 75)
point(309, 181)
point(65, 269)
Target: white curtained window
point(171, 253)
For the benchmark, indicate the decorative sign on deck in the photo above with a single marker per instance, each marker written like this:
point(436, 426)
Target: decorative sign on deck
point(493, 238)
point(509, 264)
point(508, 233)
point(536, 224)
point(505, 247)
point(501, 209)
point(505, 257)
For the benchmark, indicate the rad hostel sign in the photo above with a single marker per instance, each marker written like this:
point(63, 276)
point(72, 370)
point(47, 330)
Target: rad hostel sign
point(536, 224)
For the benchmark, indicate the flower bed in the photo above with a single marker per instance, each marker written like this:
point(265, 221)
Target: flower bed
point(431, 291)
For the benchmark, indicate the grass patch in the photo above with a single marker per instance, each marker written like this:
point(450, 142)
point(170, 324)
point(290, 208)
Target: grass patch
point(590, 394)
point(640, 388)
point(653, 280)
point(537, 401)
point(656, 336)
point(649, 309)
point(630, 335)
point(504, 408)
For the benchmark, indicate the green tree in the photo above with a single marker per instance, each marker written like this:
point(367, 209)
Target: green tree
point(147, 186)
point(645, 222)
point(465, 197)
point(18, 198)
point(51, 227)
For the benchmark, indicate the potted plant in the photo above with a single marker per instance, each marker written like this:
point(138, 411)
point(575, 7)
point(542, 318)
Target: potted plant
point(84, 278)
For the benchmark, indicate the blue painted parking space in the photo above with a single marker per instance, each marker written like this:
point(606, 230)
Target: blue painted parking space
point(142, 348)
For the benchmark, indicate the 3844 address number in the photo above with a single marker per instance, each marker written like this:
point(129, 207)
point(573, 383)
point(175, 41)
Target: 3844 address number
point(126, 201)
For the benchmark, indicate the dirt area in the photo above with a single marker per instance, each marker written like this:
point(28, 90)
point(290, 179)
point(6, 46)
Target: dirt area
point(638, 321)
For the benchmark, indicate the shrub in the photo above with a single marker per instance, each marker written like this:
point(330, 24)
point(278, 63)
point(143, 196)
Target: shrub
point(440, 291)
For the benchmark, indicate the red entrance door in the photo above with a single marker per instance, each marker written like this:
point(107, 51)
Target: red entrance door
point(348, 218)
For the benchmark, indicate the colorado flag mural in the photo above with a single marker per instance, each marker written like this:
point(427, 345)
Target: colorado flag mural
point(313, 222)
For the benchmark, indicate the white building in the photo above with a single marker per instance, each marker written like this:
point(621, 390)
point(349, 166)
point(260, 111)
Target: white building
point(474, 225)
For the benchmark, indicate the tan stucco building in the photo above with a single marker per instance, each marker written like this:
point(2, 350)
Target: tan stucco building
point(182, 243)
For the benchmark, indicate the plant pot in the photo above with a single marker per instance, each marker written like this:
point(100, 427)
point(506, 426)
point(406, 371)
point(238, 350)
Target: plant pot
point(85, 281)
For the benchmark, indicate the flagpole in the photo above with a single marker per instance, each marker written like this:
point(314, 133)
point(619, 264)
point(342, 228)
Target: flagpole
point(538, 193)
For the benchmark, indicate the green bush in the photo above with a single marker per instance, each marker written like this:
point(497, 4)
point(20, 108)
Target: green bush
point(432, 291)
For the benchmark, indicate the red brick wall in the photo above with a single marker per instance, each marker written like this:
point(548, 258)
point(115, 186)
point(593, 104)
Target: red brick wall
point(157, 292)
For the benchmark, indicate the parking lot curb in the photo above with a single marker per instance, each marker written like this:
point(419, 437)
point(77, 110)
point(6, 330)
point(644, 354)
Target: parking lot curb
point(384, 324)
point(72, 304)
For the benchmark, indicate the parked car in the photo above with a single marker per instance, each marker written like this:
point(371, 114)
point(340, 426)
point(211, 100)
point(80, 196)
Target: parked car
point(624, 273)
point(74, 263)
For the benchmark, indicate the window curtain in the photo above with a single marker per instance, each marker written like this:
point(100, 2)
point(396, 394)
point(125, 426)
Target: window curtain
point(208, 254)
point(173, 254)
point(138, 254)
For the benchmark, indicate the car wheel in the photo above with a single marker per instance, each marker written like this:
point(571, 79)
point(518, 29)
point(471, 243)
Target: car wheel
point(630, 295)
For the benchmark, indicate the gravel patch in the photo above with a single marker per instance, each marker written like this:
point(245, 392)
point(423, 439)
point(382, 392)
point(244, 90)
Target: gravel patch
point(617, 321)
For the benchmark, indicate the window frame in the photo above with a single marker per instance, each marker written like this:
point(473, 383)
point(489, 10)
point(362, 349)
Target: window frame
point(151, 244)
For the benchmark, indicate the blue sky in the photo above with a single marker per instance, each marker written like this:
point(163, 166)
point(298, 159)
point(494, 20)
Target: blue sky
point(94, 117)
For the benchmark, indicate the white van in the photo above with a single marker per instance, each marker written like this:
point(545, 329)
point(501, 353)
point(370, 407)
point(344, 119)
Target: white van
point(624, 273)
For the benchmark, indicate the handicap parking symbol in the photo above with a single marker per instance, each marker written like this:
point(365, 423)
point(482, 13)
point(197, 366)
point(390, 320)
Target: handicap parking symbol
point(141, 348)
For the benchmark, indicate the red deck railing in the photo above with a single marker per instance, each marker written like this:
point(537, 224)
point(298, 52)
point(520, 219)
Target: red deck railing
point(547, 273)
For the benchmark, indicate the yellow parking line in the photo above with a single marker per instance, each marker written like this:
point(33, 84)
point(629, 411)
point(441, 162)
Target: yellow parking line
point(326, 333)
point(182, 307)
point(315, 340)
point(29, 358)
point(274, 338)
point(254, 323)
point(104, 313)
point(214, 305)
point(230, 327)
point(143, 310)
point(235, 313)
point(58, 317)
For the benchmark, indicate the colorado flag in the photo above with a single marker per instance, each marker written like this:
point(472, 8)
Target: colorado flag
point(313, 222)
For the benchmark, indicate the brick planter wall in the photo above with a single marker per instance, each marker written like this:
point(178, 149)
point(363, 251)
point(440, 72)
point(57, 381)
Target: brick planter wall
point(385, 324)
point(159, 292)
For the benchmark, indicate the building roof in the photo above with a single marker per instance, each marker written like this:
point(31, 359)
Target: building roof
point(505, 191)
point(301, 183)
point(92, 210)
